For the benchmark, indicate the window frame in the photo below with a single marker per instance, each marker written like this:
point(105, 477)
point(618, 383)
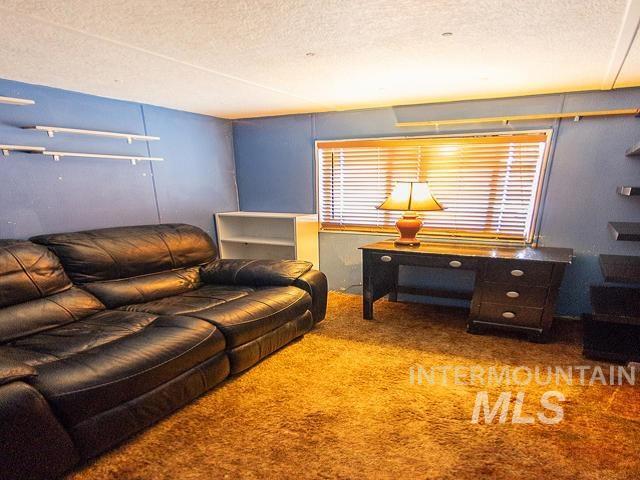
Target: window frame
point(539, 199)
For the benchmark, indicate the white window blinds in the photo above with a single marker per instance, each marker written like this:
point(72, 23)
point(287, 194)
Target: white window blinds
point(489, 185)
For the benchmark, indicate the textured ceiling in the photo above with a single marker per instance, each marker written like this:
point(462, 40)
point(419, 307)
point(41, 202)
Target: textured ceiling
point(241, 58)
point(630, 72)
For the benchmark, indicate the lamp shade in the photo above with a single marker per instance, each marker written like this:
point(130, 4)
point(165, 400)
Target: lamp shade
point(411, 197)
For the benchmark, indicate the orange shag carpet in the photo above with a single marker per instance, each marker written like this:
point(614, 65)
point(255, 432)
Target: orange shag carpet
point(340, 404)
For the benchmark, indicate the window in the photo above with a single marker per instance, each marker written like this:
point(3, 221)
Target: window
point(490, 184)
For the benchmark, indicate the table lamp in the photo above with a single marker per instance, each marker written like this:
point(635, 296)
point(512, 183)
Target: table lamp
point(410, 197)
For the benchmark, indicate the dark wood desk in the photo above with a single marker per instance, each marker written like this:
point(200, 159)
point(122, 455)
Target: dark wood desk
point(515, 288)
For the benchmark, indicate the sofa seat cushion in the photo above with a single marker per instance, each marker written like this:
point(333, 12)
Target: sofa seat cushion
point(248, 354)
point(202, 298)
point(241, 313)
point(97, 363)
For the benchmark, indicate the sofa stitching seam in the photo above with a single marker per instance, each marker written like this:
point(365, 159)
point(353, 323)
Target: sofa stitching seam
point(173, 260)
point(26, 273)
point(115, 262)
point(73, 317)
point(235, 275)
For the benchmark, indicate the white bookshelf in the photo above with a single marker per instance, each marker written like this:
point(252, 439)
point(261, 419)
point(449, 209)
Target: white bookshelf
point(266, 235)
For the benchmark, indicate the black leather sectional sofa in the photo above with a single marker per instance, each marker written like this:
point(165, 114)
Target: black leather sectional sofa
point(104, 332)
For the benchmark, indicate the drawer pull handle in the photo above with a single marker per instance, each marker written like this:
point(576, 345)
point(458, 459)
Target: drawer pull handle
point(385, 258)
point(509, 315)
point(517, 273)
point(455, 264)
point(513, 294)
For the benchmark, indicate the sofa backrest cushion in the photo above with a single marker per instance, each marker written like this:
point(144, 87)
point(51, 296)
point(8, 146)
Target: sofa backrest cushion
point(35, 292)
point(145, 288)
point(125, 252)
point(53, 311)
point(28, 272)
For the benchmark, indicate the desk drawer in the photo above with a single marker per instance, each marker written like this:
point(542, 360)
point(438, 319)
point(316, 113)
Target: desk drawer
point(510, 294)
point(511, 314)
point(434, 261)
point(519, 272)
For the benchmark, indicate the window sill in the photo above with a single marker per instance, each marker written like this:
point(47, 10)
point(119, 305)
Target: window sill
point(432, 239)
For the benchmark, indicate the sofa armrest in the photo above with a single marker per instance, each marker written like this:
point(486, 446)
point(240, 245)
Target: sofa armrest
point(11, 370)
point(315, 282)
point(258, 273)
point(33, 443)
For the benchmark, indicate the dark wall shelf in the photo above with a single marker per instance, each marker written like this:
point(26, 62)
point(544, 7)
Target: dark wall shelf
point(634, 151)
point(612, 331)
point(620, 269)
point(611, 338)
point(629, 191)
point(610, 302)
point(625, 231)
point(619, 319)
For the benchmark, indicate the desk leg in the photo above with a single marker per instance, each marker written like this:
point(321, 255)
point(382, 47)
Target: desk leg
point(377, 281)
point(367, 288)
point(393, 294)
point(367, 307)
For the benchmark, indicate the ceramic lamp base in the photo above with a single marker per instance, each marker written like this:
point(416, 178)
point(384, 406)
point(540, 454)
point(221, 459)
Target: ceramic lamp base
point(408, 226)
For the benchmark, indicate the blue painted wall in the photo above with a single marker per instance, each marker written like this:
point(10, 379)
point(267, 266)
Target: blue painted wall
point(38, 195)
point(278, 173)
point(587, 164)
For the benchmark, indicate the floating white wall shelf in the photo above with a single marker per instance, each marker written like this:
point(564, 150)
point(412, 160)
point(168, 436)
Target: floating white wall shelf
point(20, 148)
point(129, 137)
point(133, 159)
point(260, 241)
point(16, 101)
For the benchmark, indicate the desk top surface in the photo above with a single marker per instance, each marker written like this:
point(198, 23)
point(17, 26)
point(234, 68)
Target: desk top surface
point(541, 254)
